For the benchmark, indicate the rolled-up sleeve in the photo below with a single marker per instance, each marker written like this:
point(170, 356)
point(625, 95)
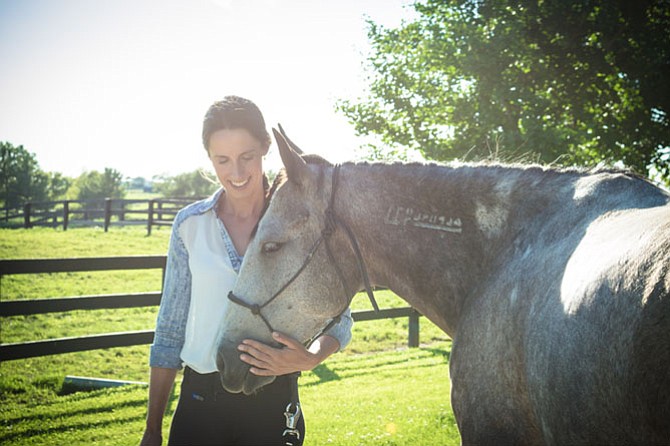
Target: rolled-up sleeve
point(175, 301)
point(342, 330)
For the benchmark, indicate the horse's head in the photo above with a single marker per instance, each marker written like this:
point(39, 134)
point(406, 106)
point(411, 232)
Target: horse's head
point(286, 282)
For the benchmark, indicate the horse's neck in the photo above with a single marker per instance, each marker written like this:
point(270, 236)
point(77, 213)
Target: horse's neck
point(430, 233)
point(417, 227)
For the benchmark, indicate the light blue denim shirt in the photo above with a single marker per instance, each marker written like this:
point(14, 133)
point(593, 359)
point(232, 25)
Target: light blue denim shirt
point(173, 313)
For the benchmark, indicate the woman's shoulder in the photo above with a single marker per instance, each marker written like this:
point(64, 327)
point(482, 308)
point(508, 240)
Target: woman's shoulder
point(196, 208)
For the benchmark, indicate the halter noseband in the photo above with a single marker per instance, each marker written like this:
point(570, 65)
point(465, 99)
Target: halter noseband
point(331, 225)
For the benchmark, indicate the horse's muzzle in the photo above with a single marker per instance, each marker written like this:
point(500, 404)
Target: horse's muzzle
point(234, 374)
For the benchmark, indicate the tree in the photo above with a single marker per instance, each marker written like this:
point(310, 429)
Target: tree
point(22, 178)
point(581, 82)
point(138, 183)
point(93, 185)
point(185, 185)
point(58, 185)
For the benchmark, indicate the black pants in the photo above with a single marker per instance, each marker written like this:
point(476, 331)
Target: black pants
point(208, 415)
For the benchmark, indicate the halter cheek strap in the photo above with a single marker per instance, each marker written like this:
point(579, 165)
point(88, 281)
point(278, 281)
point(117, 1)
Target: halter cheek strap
point(331, 225)
point(255, 308)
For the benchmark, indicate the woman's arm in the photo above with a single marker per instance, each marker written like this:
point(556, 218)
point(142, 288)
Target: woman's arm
point(175, 302)
point(164, 357)
point(161, 381)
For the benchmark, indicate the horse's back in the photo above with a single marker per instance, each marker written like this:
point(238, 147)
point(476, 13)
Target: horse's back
point(605, 345)
point(580, 353)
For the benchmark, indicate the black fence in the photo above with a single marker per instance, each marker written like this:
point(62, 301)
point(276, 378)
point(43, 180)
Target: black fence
point(107, 212)
point(23, 350)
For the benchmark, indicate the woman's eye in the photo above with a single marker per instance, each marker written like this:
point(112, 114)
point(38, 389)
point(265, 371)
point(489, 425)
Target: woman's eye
point(270, 247)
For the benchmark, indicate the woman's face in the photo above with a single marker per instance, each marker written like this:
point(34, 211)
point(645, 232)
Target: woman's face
point(237, 158)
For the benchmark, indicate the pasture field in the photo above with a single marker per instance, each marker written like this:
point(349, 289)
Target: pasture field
point(376, 392)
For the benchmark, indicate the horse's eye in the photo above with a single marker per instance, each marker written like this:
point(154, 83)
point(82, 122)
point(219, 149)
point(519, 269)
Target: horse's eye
point(270, 247)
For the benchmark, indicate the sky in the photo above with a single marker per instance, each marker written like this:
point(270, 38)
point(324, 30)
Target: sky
point(124, 84)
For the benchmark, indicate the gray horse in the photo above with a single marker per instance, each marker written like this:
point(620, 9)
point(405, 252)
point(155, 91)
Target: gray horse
point(553, 285)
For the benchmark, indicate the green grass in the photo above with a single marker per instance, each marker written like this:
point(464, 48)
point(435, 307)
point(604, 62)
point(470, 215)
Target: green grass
point(375, 392)
point(389, 398)
point(42, 242)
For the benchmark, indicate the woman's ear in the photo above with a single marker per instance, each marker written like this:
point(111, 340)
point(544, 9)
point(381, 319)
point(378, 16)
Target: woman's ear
point(296, 167)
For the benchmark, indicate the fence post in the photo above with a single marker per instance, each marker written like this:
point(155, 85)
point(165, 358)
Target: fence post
point(150, 216)
point(26, 215)
point(108, 212)
point(413, 335)
point(66, 214)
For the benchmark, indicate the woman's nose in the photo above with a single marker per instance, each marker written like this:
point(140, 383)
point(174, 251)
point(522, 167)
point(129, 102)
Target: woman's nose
point(238, 170)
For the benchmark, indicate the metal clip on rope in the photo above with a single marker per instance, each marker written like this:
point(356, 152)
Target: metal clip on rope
point(291, 434)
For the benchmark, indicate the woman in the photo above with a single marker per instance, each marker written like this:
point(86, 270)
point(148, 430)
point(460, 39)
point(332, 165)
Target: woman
point(209, 239)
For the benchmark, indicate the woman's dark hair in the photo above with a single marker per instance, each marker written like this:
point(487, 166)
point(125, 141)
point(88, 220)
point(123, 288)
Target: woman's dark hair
point(234, 112)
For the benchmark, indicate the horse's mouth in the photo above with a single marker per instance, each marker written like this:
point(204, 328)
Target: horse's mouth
point(236, 386)
point(253, 383)
point(249, 384)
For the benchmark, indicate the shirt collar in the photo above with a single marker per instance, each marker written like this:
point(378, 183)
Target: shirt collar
point(208, 203)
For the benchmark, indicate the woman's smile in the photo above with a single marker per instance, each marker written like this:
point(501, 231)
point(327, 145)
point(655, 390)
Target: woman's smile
point(239, 184)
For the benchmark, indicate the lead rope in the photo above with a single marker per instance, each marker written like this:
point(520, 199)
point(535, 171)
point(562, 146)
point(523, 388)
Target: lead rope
point(332, 222)
point(291, 435)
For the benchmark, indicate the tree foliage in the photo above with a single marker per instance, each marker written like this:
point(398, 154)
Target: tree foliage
point(22, 180)
point(94, 185)
point(185, 185)
point(578, 81)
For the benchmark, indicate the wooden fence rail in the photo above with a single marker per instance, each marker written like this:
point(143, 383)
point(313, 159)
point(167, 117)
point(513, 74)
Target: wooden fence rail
point(81, 264)
point(9, 308)
point(108, 211)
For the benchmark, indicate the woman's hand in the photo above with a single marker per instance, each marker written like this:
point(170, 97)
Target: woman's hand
point(151, 439)
point(293, 357)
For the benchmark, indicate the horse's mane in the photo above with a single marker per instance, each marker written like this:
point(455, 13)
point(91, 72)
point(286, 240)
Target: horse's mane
point(427, 169)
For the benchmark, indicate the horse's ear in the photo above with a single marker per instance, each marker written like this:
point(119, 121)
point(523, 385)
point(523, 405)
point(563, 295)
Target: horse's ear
point(296, 167)
point(291, 144)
